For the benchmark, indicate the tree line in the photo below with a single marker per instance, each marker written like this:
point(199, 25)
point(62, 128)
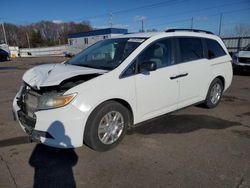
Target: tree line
point(40, 34)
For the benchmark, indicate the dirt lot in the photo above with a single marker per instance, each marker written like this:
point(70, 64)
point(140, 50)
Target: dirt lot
point(194, 147)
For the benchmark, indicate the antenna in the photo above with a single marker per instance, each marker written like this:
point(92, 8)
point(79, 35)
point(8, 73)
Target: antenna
point(221, 14)
point(110, 20)
point(192, 23)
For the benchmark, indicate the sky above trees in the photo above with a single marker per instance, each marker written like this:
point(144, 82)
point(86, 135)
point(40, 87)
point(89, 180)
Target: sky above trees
point(128, 14)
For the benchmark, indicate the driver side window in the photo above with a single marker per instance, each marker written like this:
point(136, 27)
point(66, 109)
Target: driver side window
point(159, 52)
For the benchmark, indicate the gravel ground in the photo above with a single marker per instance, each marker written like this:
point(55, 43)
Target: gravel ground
point(194, 147)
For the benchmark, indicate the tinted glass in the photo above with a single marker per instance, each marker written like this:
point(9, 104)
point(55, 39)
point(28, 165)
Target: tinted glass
point(160, 52)
point(190, 48)
point(214, 49)
point(130, 70)
point(106, 54)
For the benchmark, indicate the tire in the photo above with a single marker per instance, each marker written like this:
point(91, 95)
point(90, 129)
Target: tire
point(99, 121)
point(215, 87)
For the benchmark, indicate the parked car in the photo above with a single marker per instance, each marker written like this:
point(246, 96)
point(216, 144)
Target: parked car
point(241, 60)
point(4, 56)
point(117, 83)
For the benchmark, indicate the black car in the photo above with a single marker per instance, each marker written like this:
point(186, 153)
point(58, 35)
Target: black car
point(4, 56)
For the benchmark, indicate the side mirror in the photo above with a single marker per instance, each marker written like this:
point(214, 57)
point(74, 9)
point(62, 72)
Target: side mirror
point(147, 66)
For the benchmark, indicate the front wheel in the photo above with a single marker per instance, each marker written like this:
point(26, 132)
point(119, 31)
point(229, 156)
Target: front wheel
point(214, 94)
point(106, 126)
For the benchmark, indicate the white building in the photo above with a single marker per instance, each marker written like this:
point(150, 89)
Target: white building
point(79, 41)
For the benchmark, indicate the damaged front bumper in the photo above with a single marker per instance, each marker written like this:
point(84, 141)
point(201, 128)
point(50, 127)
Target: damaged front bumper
point(28, 124)
point(60, 127)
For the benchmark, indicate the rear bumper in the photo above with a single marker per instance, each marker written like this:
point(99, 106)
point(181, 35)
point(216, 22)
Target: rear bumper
point(61, 127)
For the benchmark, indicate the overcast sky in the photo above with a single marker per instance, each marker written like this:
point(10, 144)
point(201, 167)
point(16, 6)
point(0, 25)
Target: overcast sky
point(157, 14)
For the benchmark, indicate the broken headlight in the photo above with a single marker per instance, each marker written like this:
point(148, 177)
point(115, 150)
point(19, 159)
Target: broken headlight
point(55, 101)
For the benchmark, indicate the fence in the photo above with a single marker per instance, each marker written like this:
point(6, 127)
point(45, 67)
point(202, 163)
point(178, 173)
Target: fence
point(234, 44)
point(45, 51)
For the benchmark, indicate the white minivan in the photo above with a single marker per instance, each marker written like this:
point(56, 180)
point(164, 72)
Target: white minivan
point(117, 83)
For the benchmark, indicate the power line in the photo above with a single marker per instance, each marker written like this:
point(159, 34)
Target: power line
point(200, 10)
point(183, 20)
point(192, 11)
point(153, 5)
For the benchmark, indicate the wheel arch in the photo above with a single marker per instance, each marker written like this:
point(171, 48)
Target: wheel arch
point(125, 104)
point(118, 100)
point(86, 134)
point(222, 79)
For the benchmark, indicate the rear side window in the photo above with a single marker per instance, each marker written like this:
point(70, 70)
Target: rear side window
point(190, 48)
point(214, 49)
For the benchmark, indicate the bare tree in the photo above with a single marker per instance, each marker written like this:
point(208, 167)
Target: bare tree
point(242, 30)
point(239, 30)
point(43, 33)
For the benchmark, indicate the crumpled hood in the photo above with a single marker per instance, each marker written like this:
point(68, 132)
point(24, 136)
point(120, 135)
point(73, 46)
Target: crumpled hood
point(54, 74)
point(244, 54)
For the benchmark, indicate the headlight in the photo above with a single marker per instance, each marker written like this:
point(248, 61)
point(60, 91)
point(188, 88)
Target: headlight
point(52, 101)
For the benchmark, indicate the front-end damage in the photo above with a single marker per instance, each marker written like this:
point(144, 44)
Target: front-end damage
point(32, 100)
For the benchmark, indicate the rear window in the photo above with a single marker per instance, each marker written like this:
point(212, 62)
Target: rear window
point(214, 49)
point(190, 48)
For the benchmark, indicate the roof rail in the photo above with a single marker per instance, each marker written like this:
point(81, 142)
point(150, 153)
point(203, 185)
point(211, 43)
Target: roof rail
point(191, 30)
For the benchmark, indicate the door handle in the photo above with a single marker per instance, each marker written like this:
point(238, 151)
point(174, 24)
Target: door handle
point(173, 77)
point(178, 76)
point(183, 75)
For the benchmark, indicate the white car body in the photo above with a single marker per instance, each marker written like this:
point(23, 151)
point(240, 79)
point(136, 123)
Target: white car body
point(147, 95)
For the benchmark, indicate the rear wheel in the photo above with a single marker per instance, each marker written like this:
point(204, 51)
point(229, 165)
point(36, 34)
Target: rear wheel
point(214, 94)
point(106, 126)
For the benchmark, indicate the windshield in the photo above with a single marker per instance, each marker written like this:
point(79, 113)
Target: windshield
point(247, 48)
point(106, 54)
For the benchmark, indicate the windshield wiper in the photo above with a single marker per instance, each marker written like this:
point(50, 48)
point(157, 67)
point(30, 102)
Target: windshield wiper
point(88, 66)
point(100, 67)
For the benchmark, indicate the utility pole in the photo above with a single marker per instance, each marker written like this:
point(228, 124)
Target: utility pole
point(192, 22)
point(142, 24)
point(59, 40)
point(4, 33)
point(110, 20)
point(28, 39)
point(221, 14)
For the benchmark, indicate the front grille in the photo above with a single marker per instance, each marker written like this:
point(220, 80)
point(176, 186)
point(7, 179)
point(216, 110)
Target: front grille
point(244, 60)
point(28, 102)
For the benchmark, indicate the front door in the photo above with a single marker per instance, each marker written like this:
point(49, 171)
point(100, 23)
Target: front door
point(157, 91)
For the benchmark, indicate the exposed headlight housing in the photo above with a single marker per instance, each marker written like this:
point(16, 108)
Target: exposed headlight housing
point(55, 101)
